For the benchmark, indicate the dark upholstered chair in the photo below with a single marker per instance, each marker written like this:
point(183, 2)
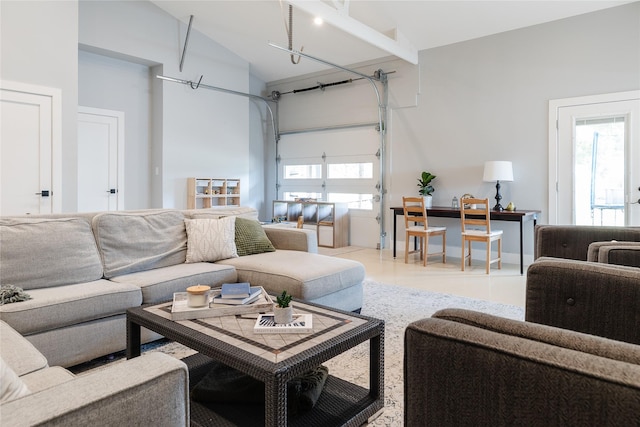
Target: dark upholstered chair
point(594, 298)
point(575, 361)
point(572, 241)
point(464, 368)
point(614, 252)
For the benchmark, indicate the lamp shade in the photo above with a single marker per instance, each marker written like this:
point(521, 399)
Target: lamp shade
point(498, 171)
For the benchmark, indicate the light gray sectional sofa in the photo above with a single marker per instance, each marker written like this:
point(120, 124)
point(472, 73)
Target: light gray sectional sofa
point(148, 390)
point(83, 271)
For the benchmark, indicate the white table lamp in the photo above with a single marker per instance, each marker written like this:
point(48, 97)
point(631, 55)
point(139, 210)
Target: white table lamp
point(498, 171)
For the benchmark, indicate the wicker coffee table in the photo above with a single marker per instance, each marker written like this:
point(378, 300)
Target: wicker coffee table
point(273, 359)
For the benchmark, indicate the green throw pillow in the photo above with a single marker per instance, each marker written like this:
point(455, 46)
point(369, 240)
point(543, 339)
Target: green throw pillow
point(251, 238)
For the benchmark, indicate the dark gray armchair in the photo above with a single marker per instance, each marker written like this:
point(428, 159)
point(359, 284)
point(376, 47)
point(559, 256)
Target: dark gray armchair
point(572, 241)
point(463, 368)
point(575, 361)
point(594, 298)
point(614, 252)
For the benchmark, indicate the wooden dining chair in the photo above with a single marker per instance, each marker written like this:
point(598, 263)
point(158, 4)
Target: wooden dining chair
point(416, 225)
point(475, 216)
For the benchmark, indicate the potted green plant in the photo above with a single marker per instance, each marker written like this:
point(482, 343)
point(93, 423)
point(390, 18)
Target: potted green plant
point(283, 312)
point(425, 187)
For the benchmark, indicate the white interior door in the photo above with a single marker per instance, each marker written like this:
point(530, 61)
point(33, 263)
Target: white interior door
point(30, 138)
point(595, 160)
point(100, 160)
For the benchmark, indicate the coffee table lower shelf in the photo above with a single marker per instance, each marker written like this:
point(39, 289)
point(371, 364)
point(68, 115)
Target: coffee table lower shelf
point(341, 403)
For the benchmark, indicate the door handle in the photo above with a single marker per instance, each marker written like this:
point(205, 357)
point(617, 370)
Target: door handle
point(112, 191)
point(43, 193)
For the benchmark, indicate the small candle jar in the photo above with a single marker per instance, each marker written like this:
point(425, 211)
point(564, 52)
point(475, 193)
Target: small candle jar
point(198, 295)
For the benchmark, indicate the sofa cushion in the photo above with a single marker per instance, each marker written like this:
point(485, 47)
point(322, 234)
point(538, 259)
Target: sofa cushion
point(37, 253)
point(11, 386)
point(18, 352)
point(251, 238)
point(158, 285)
point(131, 242)
point(210, 240)
point(53, 308)
point(304, 275)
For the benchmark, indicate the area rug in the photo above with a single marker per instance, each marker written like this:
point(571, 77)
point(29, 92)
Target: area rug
point(398, 306)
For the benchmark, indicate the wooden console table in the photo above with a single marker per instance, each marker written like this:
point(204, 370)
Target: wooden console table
point(520, 216)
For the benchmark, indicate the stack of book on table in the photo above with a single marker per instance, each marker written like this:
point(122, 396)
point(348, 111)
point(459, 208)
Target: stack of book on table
point(259, 303)
point(237, 294)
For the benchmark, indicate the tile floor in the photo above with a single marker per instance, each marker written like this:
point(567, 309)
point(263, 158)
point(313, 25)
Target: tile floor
point(506, 286)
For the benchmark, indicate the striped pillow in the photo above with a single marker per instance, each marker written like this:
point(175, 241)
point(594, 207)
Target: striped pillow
point(210, 240)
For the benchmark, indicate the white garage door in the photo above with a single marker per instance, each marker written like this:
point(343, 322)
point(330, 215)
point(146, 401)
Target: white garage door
point(335, 166)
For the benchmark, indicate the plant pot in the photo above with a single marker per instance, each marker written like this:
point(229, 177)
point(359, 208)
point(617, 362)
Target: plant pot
point(428, 201)
point(283, 315)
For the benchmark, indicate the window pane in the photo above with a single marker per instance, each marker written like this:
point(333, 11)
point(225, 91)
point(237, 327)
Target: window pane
point(350, 170)
point(353, 200)
point(302, 172)
point(599, 171)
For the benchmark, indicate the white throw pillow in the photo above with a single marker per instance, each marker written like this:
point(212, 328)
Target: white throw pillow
point(11, 386)
point(210, 240)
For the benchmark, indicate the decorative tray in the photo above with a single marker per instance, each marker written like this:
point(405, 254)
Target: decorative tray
point(180, 310)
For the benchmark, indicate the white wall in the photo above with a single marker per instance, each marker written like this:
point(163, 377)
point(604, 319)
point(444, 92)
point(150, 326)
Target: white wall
point(204, 133)
point(190, 132)
point(39, 45)
point(115, 84)
point(484, 99)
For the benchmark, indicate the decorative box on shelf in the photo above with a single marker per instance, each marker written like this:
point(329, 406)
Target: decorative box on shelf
point(180, 309)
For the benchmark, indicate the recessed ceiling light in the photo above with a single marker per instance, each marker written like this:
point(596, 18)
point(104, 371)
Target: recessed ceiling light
point(318, 21)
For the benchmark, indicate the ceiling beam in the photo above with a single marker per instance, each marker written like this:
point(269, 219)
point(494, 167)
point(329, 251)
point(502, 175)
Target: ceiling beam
point(339, 18)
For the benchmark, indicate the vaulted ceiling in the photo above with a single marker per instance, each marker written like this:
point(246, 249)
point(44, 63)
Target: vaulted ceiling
point(358, 30)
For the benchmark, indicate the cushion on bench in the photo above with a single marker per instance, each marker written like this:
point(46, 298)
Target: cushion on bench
point(159, 284)
point(131, 242)
point(60, 306)
point(41, 253)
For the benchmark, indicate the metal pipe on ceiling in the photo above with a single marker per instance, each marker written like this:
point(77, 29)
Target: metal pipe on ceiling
point(186, 42)
point(231, 92)
point(296, 52)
